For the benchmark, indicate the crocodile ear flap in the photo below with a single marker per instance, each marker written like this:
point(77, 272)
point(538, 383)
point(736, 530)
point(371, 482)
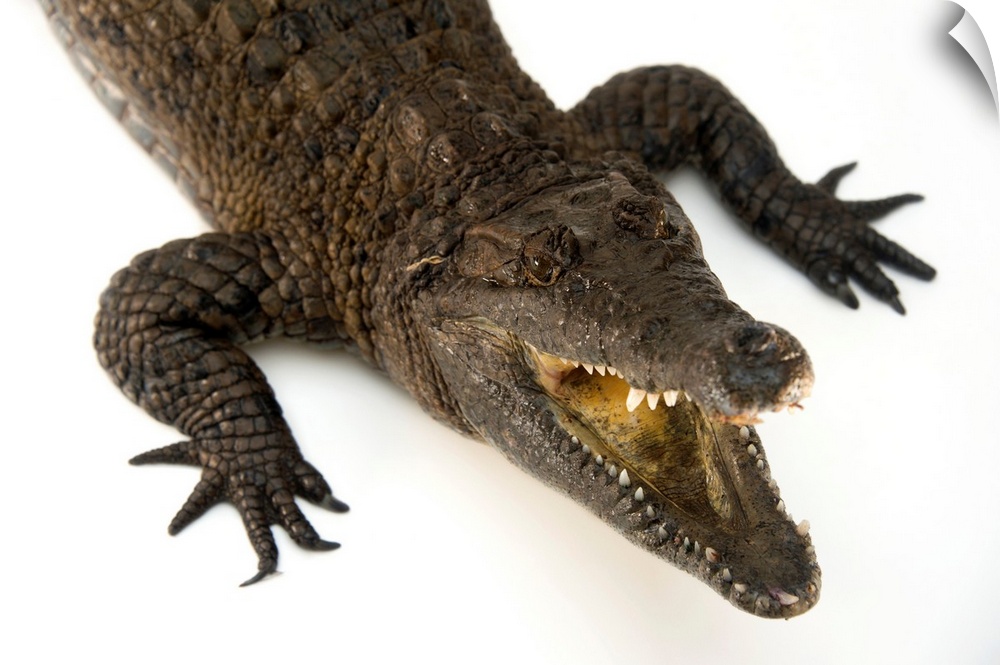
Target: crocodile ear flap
point(508, 256)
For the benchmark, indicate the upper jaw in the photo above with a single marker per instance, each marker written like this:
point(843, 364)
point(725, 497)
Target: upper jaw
point(735, 373)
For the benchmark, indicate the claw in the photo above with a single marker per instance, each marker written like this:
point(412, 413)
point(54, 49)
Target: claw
point(182, 452)
point(871, 277)
point(260, 575)
point(829, 182)
point(846, 295)
point(330, 502)
point(869, 211)
point(834, 282)
point(864, 210)
point(325, 545)
point(895, 255)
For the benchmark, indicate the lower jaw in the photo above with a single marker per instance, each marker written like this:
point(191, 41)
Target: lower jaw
point(757, 557)
point(697, 492)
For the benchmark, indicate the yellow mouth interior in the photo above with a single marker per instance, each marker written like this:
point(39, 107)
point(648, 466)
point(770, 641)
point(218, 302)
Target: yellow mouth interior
point(672, 450)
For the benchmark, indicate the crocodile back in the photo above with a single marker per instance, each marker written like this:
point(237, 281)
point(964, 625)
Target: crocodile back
point(273, 111)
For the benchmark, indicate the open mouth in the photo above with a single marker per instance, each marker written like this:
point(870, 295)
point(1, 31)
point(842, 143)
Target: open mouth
point(671, 447)
point(699, 484)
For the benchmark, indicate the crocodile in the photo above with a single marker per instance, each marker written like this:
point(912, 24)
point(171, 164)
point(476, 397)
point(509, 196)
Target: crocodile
point(382, 177)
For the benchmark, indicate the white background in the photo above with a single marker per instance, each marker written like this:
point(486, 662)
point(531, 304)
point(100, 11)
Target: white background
point(449, 553)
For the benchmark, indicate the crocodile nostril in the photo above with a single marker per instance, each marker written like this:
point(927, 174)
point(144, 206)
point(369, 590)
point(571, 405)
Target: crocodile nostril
point(755, 339)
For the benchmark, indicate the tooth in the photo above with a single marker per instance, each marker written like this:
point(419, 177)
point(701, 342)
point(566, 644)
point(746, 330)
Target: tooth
point(752, 450)
point(623, 479)
point(612, 371)
point(574, 363)
point(635, 396)
point(588, 367)
point(586, 449)
point(726, 575)
point(670, 397)
point(760, 464)
point(740, 588)
point(574, 439)
point(599, 460)
point(781, 505)
point(803, 528)
point(612, 470)
point(712, 555)
point(745, 433)
point(652, 399)
point(784, 597)
point(697, 547)
point(650, 513)
point(600, 369)
point(639, 495)
point(687, 543)
point(661, 533)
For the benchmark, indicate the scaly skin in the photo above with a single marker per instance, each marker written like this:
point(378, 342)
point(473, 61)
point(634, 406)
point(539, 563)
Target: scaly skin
point(384, 177)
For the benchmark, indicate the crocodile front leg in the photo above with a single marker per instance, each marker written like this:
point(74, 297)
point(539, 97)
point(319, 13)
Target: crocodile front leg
point(668, 116)
point(167, 332)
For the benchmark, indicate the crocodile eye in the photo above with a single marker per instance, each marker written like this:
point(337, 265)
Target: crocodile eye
point(541, 270)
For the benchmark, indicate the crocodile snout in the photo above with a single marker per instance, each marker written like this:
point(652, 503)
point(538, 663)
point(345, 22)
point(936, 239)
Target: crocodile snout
point(755, 340)
point(754, 368)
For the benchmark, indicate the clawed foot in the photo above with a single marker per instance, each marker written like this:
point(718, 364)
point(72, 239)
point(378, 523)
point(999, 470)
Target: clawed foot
point(260, 475)
point(833, 241)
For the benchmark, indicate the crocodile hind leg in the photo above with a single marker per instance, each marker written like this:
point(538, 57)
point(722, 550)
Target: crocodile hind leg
point(167, 332)
point(669, 116)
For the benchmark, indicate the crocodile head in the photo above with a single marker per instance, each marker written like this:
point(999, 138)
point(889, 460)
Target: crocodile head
point(581, 332)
